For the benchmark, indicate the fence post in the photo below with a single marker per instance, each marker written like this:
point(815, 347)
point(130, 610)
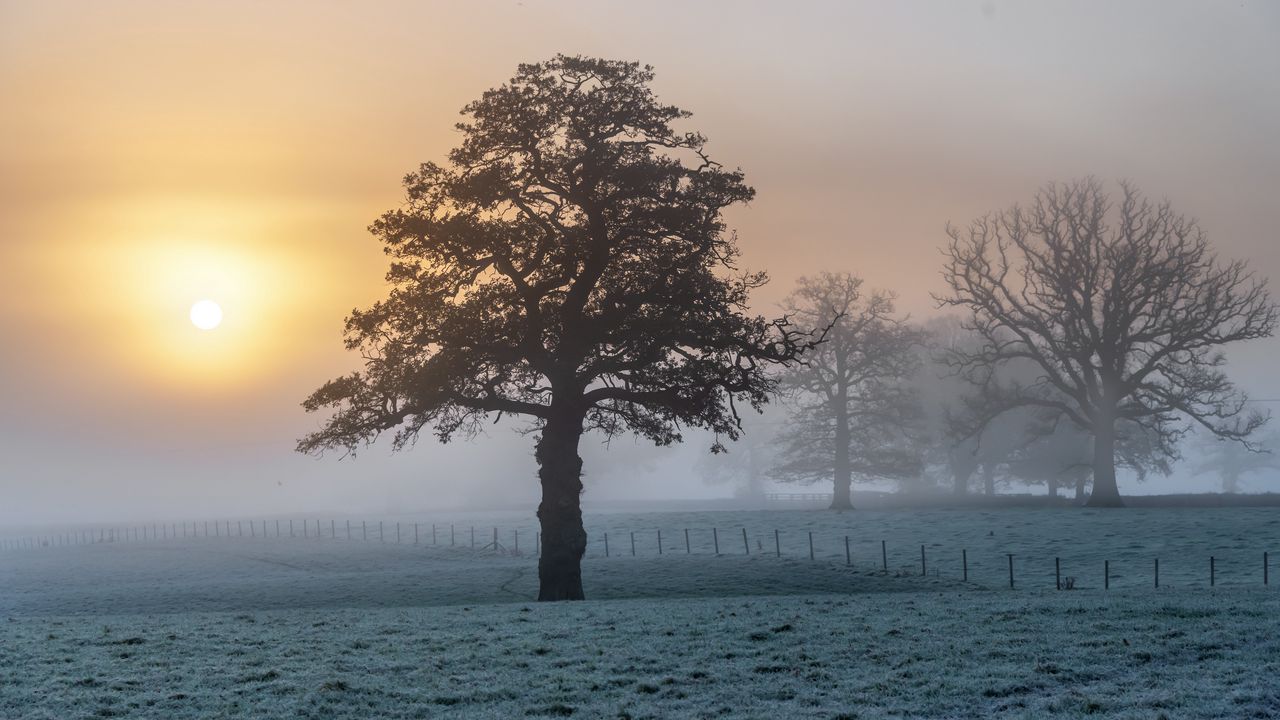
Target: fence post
point(415, 533)
point(1010, 570)
point(381, 536)
point(1212, 572)
point(964, 561)
point(1057, 573)
point(633, 543)
point(473, 537)
point(1157, 572)
point(451, 535)
point(537, 544)
point(715, 537)
point(290, 527)
point(348, 529)
point(304, 528)
point(1106, 574)
point(777, 546)
point(433, 533)
point(746, 547)
point(686, 542)
point(1265, 569)
point(495, 539)
point(364, 531)
point(318, 533)
point(884, 557)
point(922, 568)
point(333, 528)
point(515, 541)
point(810, 544)
point(252, 532)
point(659, 542)
point(397, 532)
point(606, 544)
point(848, 560)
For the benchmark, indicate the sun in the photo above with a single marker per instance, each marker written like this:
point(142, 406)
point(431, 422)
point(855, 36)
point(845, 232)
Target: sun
point(206, 315)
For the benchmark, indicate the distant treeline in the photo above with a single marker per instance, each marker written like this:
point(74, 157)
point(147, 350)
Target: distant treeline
point(887, 501)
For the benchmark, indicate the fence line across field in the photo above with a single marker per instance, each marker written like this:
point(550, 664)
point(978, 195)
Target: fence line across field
point(508, 542)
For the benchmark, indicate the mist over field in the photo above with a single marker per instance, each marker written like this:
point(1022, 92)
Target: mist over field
point(555, 358)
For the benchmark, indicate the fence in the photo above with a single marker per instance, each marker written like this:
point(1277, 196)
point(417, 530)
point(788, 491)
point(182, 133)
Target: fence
point(798, 498)
point(1130, 569)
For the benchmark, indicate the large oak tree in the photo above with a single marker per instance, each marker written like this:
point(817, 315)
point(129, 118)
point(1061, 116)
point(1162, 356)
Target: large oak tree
point(1121, 306)
point(569, 263)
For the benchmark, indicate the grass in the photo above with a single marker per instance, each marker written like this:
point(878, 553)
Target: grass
point(310, 629)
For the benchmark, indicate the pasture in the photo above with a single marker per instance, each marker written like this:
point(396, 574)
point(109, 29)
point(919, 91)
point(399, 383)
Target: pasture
point(335, 628)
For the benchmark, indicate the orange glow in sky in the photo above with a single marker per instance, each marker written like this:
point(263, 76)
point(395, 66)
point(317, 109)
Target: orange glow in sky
point(153, 154)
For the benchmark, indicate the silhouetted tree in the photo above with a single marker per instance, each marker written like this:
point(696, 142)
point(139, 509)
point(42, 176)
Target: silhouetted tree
point(570, 264)
point(1122, 307)
point(853, 414)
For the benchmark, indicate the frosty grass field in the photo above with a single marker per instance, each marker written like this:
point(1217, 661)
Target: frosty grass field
point(330, 628)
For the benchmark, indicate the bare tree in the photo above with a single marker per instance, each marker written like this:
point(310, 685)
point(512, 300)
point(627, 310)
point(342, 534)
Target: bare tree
point(1231, 461)
point(1121, 306)
point(852, 411)
point(570, 264)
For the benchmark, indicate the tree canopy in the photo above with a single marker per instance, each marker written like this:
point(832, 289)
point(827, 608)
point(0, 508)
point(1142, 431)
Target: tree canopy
point(568, 263)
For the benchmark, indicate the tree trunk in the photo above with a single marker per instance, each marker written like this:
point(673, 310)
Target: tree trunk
point(564, 540)
point(989, 478)
point(962, 466)
point(842, 495)
point(1105, 491)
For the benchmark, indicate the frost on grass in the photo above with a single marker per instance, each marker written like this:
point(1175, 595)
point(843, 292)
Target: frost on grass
point(334, 629)
point(923, 654)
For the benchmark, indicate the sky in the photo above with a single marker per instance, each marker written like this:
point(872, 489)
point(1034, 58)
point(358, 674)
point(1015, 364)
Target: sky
point(153, 154)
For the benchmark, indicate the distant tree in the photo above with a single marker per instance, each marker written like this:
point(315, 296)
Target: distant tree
point(964, 440)
point(1122, 307)
point(853, 413)
point(1232, 461)
point(1061, 453)
point(569, 264)
point(745, 466)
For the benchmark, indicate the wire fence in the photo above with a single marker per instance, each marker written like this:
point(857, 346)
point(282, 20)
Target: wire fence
point(1094, 569)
